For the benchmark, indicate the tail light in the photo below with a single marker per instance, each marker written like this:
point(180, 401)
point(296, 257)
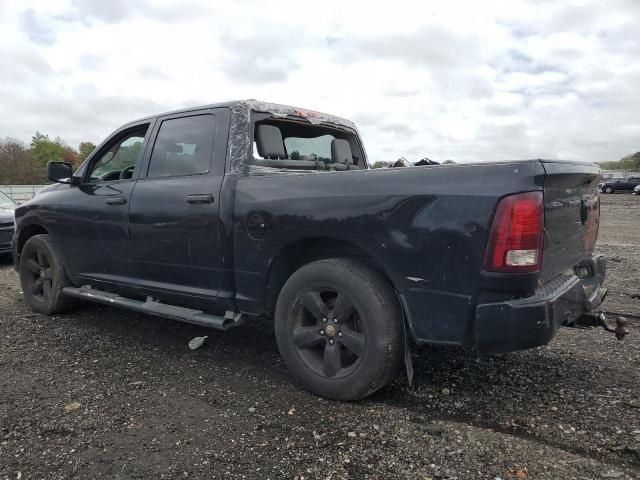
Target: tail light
point(516, 235)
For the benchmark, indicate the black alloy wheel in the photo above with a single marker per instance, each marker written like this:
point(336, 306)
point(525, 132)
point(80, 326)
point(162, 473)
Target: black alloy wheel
point(39, 275)
point(328, 335)
point(43, 277)
point(339, 328)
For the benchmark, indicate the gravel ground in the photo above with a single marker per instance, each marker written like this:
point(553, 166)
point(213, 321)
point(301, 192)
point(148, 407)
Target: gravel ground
point(104, 393)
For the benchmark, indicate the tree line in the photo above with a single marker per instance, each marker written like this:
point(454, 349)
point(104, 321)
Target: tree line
point(22, 164)
point(629, 163)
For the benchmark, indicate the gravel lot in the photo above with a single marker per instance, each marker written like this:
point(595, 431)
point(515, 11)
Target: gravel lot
point(104, 393)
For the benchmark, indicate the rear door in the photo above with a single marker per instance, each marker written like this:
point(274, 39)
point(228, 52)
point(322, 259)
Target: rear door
point(572, 215)
point(174, 213)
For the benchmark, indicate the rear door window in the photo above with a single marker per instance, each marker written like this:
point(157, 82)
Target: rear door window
point(183, 146)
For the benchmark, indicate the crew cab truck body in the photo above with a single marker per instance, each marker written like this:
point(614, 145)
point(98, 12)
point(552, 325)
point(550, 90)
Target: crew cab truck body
point(219, 214)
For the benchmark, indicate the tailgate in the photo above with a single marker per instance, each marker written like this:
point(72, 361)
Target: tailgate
point(571, 216)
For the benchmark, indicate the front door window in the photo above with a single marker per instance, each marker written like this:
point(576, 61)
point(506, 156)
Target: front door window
point(120, 159)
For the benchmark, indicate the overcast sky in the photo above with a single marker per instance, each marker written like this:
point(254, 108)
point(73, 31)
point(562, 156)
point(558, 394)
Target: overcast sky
point(468, 81)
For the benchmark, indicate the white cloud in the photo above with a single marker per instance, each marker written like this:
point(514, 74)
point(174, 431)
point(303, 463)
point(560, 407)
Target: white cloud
point(470, 81)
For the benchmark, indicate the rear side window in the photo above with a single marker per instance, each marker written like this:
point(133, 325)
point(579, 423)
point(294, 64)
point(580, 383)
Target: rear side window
point(183, 146)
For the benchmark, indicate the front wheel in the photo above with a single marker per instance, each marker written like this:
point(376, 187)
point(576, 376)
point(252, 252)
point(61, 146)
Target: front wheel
point(608, 190)
point(42, 276)
point(339, 329)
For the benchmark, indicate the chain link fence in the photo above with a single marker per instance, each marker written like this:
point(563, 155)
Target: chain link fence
point(21, 193)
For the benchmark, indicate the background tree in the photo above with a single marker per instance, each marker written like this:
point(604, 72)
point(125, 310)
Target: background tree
point(627, 163)
point(379, 164)
point(44, 150)
point(84, 149)
point(70, 155)
point(26, 165)
point(16, 164)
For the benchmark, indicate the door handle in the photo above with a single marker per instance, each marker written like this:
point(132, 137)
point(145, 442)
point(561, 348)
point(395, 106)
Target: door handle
point(199, 199)
point(116, 201)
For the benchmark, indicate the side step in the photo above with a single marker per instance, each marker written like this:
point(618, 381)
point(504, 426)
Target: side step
point(153, 307)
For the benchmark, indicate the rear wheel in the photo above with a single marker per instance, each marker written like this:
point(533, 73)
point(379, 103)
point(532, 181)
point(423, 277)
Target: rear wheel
point(339, 329)
point(42, 276)
point(608, 189)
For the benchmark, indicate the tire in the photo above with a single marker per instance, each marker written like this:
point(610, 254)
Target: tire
point(42, 276)
point(357, 354)
point(608, 189)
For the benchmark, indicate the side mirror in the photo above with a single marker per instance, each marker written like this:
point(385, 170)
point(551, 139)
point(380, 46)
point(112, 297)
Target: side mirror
point(59, 172)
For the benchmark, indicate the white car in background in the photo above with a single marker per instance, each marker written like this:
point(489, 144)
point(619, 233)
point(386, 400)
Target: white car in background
point(636, 190)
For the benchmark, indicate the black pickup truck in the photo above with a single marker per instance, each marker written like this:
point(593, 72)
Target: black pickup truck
point(220, 214)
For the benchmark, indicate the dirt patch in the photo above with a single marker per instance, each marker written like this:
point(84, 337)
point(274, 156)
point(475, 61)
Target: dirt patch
point(104, 393)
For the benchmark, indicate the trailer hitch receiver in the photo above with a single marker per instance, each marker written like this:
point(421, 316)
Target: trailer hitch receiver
point(599, 320)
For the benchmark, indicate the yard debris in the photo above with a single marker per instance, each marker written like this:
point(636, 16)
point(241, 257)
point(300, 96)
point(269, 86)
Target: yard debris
point(72, 407)
point(621, 330)
point(518, 473)
point(612, 475)
point(197, 342)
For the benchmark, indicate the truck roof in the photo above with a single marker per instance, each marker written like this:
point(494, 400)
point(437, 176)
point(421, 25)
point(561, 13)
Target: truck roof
point(275, 109)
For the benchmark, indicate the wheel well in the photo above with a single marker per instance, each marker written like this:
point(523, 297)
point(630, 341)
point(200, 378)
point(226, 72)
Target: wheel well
point(293, 256)
point(29, 231)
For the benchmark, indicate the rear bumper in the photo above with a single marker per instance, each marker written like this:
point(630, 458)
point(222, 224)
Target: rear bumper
point(534, 321)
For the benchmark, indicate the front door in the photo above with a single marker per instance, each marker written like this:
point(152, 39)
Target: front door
point(94, 215)
point(173, 217)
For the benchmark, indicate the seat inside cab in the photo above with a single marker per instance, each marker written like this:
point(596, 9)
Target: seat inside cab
point(285, 144)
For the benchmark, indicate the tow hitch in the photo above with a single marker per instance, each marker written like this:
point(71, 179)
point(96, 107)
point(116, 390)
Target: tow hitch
point(599, 320)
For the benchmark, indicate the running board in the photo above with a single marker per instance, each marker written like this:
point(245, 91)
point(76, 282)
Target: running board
point(153, 307)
